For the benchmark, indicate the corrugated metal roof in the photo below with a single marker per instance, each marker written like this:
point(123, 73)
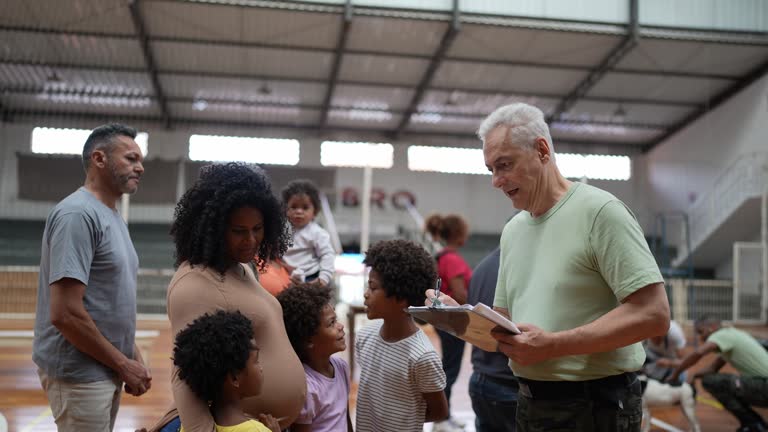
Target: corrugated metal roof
point(103, 16)
point(15, 76)
point(619, 112)
point(371, 97)
point(660, 88)
point(274, 63)
point(372, 119)
point(74, 49)
point(395, 35)
point(251, 90)
point(507, 78)
point(255, 61)
point(601, 133)
point(243, 24)
point(392, 70)
point(696, 57)
point(529, 45)
point(459, 102)
point(82, 103)
point(246, 112)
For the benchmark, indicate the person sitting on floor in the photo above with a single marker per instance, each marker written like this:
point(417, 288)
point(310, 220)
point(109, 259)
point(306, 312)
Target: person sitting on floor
point(737, 393)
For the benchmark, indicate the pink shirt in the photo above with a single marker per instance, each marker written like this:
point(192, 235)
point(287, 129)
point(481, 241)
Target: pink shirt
point(327, 399)
point(450, 265)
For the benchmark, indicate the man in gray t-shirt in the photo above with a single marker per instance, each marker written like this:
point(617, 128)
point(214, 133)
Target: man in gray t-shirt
point(86, 304)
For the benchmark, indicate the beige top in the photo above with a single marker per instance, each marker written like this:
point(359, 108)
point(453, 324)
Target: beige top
point(195, 291)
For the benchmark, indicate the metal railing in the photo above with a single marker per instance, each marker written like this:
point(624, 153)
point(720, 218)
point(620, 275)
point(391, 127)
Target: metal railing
point(418, 233)
point(690, 299)
point(18, 291)
point(744, 179)
point(330, 223)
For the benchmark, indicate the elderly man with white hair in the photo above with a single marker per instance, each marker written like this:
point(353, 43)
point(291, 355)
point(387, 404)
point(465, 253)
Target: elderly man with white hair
point(577, 276)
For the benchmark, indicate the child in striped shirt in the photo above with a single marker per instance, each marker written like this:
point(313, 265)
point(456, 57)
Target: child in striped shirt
point(401, 376)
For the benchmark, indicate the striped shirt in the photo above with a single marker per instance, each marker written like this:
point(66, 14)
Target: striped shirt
point(393, 378)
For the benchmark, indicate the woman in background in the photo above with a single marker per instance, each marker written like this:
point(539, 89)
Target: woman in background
point(452, 231)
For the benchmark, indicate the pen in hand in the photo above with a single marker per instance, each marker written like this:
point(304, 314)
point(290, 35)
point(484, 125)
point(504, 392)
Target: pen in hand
point(435, 301)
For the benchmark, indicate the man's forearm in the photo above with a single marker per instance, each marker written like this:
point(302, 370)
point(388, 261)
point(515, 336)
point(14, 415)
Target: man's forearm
point(689, 360)
point(629, 323)
point(78, 328)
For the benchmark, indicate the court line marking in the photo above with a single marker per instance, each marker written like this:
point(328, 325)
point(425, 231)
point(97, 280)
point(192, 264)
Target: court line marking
point(664, 425)
point(710, 402)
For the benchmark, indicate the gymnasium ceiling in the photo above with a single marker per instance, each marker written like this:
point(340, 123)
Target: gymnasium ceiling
point(325, 68)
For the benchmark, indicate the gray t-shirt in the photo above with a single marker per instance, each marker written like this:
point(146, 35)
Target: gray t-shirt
point(87, 241)
point(481, 290)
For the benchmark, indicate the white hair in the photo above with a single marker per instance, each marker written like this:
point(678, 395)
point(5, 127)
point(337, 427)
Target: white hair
point(525, 123)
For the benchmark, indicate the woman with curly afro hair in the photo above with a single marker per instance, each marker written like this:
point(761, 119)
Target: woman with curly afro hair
point(228, 217)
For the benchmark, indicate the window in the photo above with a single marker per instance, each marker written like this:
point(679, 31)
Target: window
point(470, 161)
point(446, 159)
point(214, 148)
point(591, 166)
point(70, 141)
point(356, 154)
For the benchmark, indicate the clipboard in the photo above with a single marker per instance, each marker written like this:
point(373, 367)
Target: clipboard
point(472, 324)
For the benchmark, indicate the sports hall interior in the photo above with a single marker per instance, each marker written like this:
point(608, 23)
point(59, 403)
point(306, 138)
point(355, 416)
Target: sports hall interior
point(662, 103)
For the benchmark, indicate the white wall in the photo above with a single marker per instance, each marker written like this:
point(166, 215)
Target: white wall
point(684, 168)
point(471, 195)
point(686, 165)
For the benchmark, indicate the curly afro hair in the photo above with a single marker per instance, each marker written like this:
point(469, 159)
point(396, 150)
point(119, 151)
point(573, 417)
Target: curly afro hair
point(201, 216)
point(302, 187)
point(211, 348)
point(302, 310)
point(406, 269)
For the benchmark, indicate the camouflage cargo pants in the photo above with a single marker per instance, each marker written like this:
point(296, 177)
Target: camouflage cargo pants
point(599, 409)
point(738, 394)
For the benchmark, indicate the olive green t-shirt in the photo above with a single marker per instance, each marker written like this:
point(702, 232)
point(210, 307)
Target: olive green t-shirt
point(569, 267)
point(741, 350)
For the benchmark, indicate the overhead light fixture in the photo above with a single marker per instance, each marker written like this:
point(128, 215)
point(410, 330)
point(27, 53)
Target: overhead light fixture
point(620, 114)
point(54, 78)
point(53, 84)
point(265, 90)
point(199, 105)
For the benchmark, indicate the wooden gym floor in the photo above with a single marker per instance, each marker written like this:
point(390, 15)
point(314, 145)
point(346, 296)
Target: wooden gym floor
point(25, 407)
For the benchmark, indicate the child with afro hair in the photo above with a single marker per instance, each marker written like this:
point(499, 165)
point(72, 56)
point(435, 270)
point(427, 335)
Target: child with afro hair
point(219, 360)
point(316, 334)
point(401, 377)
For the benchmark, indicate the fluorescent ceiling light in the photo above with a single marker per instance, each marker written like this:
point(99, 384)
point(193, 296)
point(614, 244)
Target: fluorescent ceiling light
point(275, 151)
point(356, 154)
point(70, 141)
point(596, 167)
point(446, 159)
point(471, 161)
